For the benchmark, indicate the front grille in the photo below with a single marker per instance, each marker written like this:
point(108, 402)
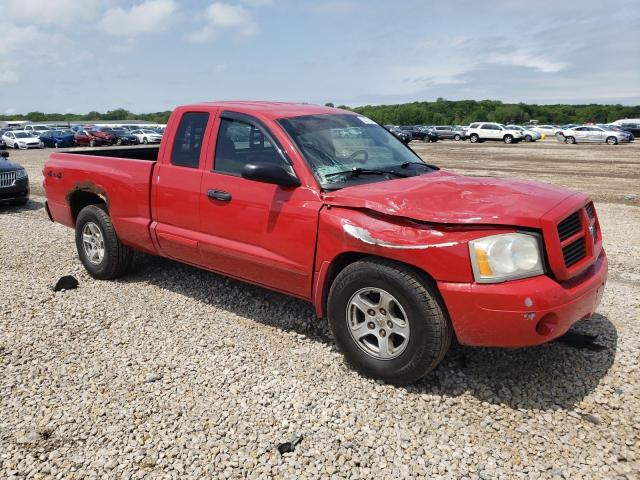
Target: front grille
point(7, 179)
point(589, 210)
point(569, 226)
point(574, 252)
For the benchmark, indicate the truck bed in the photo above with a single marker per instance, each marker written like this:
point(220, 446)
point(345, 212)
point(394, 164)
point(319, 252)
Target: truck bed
point(119, 177)
point(149, 153)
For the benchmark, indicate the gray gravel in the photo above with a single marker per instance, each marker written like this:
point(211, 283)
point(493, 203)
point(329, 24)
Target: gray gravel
point(177, 373)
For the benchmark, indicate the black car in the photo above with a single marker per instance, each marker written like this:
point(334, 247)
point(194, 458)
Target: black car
point(418, 132)
point(122, 135)
point(404, 137)
point(14, 182)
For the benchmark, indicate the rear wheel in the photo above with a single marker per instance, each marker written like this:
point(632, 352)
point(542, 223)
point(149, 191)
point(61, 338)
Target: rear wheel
point(119, 141)
point(388, 320)
point(15, 146)
point(426, 139)
point(92, 143)
point(145, 141)
point(570, 140)
point(457, 138)
point(473, 138)
point(98, 245)
point(528, 138)
point(612, 140)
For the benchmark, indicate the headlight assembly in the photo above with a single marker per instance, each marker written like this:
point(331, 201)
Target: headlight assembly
point(508, 256)
point(20, 174)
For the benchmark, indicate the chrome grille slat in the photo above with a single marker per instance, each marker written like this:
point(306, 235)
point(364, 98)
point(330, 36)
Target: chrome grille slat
point(7, 179)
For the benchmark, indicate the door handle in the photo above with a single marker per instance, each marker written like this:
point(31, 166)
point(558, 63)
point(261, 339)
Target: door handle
point(219, 195)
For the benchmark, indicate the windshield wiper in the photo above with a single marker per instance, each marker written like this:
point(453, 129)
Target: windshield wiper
point(406, 164)
point(354, 172)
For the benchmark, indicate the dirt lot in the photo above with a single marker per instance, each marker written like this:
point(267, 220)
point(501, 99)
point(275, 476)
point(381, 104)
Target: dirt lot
point(173, 372)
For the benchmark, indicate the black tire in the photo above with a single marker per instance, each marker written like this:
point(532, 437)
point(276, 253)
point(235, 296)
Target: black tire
point(119, 141)
point(15, 146)
point(426, 139)
point(117, 257)
point(473, 138)
point(145, 141)
point(508, 139)
point(612, 141)
point(92, 143)
point(430, 330)
point(570, 140)
point(528, 138)
point(457, 138)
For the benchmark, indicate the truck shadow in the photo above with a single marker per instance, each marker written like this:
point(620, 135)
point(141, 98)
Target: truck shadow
point(547, 377)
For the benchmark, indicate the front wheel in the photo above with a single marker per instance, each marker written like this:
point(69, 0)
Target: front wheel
point(612, 140)
point(99, 248)
point(528, 138)
point(426, 139)
point(457, 138)
point(473, 138)
point(92, 143)
point(570, 140)
point(388, 321)
point(508, 139)
point(145, 141)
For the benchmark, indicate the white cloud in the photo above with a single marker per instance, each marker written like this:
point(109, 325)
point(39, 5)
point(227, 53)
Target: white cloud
point(529, 60)
point(146, 17)
point(225, 16)
point(51, 12)
point(16, 38)
point(8, 76)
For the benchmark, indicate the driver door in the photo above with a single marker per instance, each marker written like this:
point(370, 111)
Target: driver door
point(255, 231)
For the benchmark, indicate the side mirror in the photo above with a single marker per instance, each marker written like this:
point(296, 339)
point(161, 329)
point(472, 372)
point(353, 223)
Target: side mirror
point(4, 154)
point(269, 173)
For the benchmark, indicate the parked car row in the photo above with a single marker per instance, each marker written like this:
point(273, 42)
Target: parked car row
point(479, 132)
point(41, 136)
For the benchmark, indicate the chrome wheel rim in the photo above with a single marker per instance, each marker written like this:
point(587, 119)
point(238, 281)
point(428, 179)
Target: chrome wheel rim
point(378, 323)
point(93, 243)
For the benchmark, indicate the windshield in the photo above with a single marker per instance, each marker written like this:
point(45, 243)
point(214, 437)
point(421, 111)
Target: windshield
point(149, 131)
point(338, 147)
point(22, 135)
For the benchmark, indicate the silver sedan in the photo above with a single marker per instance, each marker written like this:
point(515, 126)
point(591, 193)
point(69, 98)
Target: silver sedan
point(593, 134)
point(527, 135)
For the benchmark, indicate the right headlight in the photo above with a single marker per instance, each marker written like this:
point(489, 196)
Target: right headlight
point(507, 256)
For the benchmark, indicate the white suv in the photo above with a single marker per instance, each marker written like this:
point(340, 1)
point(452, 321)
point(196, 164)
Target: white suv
point(479, 132)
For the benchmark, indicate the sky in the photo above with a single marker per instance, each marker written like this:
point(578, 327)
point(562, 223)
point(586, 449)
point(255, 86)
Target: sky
point(151, 55)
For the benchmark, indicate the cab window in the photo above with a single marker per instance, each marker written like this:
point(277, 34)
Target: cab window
point(188, 140)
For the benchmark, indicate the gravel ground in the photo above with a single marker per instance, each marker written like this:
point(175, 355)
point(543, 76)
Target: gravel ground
point(173, 372)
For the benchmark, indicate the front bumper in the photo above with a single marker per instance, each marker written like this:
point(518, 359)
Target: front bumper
point(525, 312)
point(17, 191)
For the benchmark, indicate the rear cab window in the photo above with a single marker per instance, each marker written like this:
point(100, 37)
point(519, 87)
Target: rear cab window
point(188, 140)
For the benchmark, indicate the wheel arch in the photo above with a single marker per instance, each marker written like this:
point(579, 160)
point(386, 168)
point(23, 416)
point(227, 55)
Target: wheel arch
point(80, 199)
point(332, 269)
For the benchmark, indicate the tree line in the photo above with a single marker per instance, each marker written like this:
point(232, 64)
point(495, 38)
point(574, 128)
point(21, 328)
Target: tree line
point(440, 112)
point(464, 112)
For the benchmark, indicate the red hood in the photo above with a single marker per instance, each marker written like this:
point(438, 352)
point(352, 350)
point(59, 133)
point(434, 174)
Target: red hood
point(443, 197)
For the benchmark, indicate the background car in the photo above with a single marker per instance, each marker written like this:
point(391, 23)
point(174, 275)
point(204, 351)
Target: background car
point(593, 134)
point(617, 128)
point(547, 130)
point(19, 139)
point(36, 129)
point(145, 135)
point(527, 135)
point(120, 136)
point(419, 132)
point(14, 182)
point(58, 138)
point(482, 131)
point(449, 132)
point(401, 135)
point(89, 138)
point(631, 125)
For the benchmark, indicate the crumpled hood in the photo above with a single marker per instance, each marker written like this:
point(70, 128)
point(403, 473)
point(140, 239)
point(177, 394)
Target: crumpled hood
point(443, 197)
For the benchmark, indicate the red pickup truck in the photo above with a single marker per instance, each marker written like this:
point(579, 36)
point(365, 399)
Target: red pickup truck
point(328, 206)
